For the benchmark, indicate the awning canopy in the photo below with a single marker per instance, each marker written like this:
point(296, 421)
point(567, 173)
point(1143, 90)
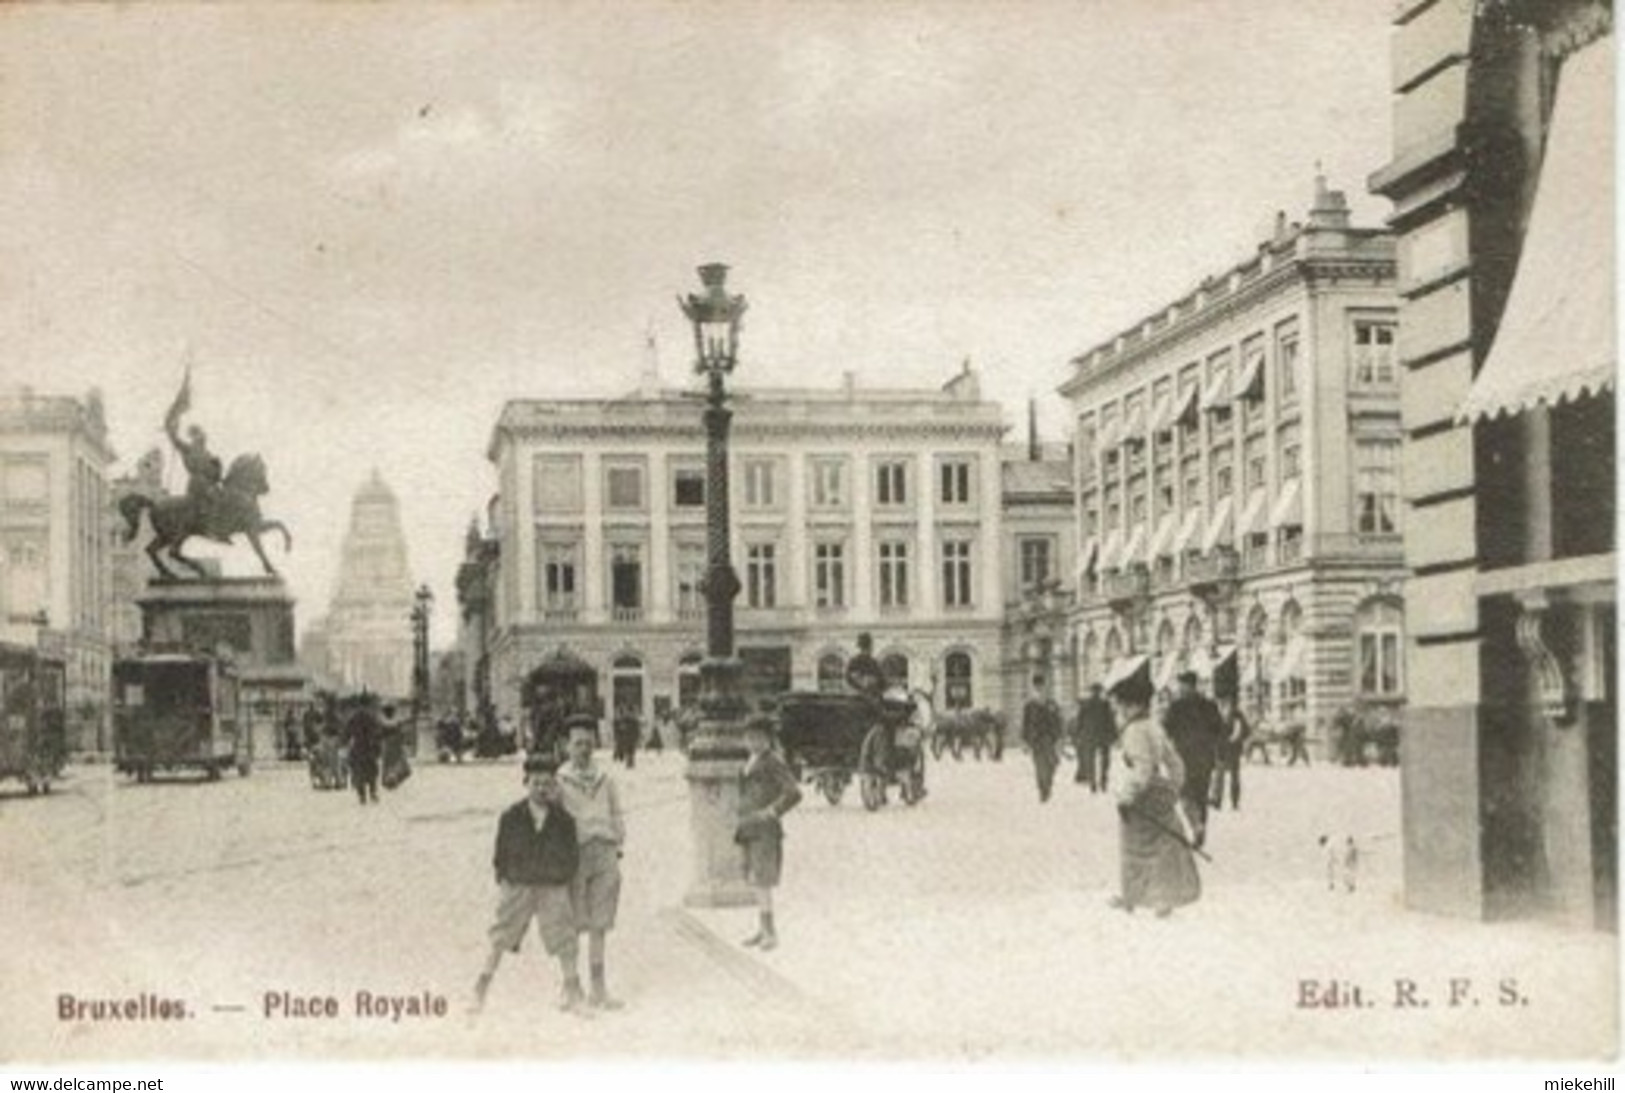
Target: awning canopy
point(1186, 539)
point(1162, 538)
point(1134, 427)
point(1088, 558)
point(1252, 517)
point(1132, 549)
point(1556, 340)
point(1167, 668)
point(1221, 527)
point(1108, 551)
point(1186, 406)
point(1162, 414)
point(1108, 436)
point(1216, 395)
point(1290, 666)
point(1252, 378)
point(1288, 510)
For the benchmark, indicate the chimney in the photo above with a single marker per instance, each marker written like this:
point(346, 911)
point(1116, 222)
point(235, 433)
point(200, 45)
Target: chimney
point(1330, 208)
point(1032, 430)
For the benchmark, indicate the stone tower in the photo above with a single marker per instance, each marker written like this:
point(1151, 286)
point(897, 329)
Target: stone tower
point(369, 633)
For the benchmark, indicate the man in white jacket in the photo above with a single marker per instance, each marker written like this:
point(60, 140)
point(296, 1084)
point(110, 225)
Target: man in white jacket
point(592, 799)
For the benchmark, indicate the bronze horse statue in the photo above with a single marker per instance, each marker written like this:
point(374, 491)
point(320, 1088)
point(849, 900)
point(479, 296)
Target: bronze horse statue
point(233, 510)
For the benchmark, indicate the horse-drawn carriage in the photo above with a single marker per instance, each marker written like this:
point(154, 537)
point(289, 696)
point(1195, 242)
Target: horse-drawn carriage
point(559, 688)
point(177, 710)
point(33, 729)
point(830, 739)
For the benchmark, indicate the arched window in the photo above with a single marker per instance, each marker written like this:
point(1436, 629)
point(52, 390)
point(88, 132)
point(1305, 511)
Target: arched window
point(1192, 645)
point(1089, 666)
point(1167, 655)
point(1379, 636)
point(1291, 684)
point(1114, 648)
point(832, 672)
point(956, 669)
point(626, 685)
point(1253, 662)
point(894, 666)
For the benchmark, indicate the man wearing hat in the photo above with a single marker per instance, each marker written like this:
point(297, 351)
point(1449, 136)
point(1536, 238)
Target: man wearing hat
point(594, 803)
point(1197, 731)
point(1226, 686)
point(1041, 732)
point(1097, 731)
point(535, 859)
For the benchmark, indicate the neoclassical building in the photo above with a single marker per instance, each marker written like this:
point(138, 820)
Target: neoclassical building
point(1238, 477)
point(853, 509)
point(54, 545)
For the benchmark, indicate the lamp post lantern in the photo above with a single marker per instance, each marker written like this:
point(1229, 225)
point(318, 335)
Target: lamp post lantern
point(422, 600)
point(716, 754)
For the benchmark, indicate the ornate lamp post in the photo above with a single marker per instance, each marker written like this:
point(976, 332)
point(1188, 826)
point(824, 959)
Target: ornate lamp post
point(716, 753)
point(422, 600)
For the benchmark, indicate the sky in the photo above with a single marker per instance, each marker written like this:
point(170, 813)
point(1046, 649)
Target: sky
point(366, 226)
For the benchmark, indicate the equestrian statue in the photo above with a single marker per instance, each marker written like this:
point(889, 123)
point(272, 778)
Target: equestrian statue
point(215, 506)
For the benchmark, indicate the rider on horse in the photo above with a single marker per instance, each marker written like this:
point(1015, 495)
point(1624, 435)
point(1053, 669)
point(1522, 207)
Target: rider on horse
point(203, 467)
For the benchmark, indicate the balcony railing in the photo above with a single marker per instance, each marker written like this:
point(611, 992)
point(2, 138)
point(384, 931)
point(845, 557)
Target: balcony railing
point(1221, 565)
point(626, 614)
point(1126, 584)
point(560, 613)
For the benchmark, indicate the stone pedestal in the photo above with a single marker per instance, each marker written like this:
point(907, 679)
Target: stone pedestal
point(716, 757)
point(252, 619)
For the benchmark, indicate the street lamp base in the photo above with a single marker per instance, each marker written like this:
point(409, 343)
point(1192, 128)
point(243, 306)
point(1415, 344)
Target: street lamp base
point(713, 795)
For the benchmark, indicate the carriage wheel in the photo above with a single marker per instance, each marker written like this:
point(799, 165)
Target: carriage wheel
point(872, 788)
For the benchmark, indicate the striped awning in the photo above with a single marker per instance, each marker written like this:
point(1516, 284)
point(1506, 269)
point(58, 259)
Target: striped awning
point(1109, 550)
point(1132, 548)
point(1134, 427)
point(1162, 415)
point(1556, 339)
point(1162, 539)
point(1216, 394)
point(1288, 509)
point(1186, 538)
point(1187, 406)
point(1088, 559)
point(1252, 378)
point(1220, 529)
point(1252, 517)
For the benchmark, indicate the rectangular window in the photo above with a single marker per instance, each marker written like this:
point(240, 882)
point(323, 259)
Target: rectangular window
point(558, 578)
point(1376, 487)
point(1190, 475)
point(626, 581)
point(558, 483)
point(1091, 515)
point(1256, 463)
point(1223, 472)
point(1162, 494)
point(1286, 362)
point(829, 575)
point(690, 563)
point(955, 478)
point(1114, 510)
point(688, 488)
point(760, 484)
point(1373, 353)
point(891, 482)
point(956, 573)
point(828, 483)
point(761, 575)
point(1291, 451)
point(623, 490)
point(1137, 508)
point(893, 573)
point(1037, 555)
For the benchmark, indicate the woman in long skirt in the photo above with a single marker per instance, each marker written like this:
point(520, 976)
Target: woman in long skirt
point(1159, 869)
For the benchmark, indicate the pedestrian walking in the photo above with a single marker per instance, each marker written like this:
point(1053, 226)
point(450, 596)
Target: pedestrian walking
point(394, 768)
point(365, 745)
point(1238, 730)
point(1097, 732)
point(1193, 723)
point(594, 803)
point(767, 790)
point(536, 857)
point(626, 730)
point(1041, 732)
point(1158, 867)
point(1296, 745)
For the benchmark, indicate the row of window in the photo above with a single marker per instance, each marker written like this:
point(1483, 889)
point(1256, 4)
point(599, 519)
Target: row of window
point(830, 579)
point(762, 483)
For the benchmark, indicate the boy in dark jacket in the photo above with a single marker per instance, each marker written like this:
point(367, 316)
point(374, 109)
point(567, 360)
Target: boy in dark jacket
point(536, 857)
point(767, 790)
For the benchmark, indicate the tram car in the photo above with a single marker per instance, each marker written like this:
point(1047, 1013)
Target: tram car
point(557, 689)
point(178, 711)
point(33, 717)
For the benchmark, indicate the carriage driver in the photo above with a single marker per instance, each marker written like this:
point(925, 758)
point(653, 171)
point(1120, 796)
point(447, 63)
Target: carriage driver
point(864, 676)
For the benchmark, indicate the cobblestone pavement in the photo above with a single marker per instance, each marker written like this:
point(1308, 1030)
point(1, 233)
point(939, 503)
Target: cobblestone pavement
point(972, 926)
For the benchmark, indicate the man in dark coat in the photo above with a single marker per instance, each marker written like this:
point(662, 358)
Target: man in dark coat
point(366, 746)
point(1197, 730)
point(1097, 731)
point(1041, 732)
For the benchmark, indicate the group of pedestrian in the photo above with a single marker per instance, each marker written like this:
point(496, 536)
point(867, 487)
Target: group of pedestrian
point(376, 750)
point(1174, 769)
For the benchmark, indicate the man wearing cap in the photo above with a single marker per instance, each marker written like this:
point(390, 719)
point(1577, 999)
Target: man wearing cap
point(535, 859)
point(594, 802)
point(767, 790)
point(1158, 868)
point(1197, 730)
point(1041, 732)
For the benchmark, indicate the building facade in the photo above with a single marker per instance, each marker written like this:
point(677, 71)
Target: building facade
point(1238, 479)
point(1503, 188)
point(853, 510)
point(1038, 513)
point(368, 629)
point(54, 561)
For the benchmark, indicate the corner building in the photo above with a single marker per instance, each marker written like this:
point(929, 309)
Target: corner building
point(1238, 478)
point(852, 510)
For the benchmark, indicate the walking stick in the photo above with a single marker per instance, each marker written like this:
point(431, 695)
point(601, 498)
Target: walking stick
point(1177, 836)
